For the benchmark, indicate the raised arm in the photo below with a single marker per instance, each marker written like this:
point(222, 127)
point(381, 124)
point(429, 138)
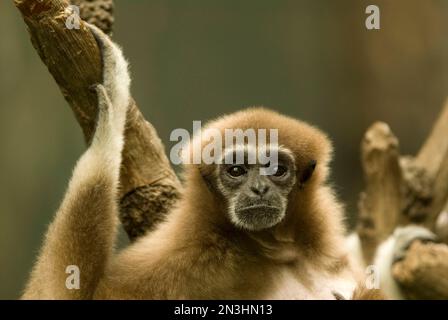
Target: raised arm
point(82, 235)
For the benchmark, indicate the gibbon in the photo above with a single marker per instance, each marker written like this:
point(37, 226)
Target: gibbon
point(235, 234)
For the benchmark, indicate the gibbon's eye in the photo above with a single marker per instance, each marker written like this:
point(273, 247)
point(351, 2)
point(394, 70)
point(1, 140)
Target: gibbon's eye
point(236, 171)
point(280, 171)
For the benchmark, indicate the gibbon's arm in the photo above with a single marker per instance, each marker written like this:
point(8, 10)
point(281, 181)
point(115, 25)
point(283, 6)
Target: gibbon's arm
point(82, 235)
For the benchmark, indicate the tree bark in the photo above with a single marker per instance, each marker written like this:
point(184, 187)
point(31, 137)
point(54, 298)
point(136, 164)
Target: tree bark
point(423, 273)
point(149, 186)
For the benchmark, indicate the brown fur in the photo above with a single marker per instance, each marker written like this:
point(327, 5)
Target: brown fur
point(362, 293)
point(197, 253)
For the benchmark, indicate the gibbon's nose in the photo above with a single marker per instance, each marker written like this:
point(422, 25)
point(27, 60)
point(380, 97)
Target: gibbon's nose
point(260, 189)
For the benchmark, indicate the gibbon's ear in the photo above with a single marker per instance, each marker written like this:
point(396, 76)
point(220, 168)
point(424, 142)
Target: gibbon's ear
point(306, 174)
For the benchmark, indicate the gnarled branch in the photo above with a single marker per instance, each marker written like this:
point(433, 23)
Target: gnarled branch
point(403, 190)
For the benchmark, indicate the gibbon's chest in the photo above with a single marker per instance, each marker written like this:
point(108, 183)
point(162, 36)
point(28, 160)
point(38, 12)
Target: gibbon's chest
point(287, 285)
point(302, 281)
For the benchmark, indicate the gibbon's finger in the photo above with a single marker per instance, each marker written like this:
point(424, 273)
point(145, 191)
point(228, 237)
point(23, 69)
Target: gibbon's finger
point(116, 78)
point(104, 103)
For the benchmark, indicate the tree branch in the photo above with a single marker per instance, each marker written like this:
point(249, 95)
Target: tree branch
point(423, 273)
point(401, 189)
point(433, 157)
point(149, 186)
point(380, 203)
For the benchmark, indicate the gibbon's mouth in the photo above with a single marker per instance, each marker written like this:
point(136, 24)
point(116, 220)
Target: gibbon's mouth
point(258, 208)
point(259, 217)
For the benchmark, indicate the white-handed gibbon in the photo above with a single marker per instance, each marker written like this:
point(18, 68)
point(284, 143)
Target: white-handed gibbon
point(235, 234)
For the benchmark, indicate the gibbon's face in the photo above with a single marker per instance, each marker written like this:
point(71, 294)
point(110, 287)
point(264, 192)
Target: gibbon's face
point(256, 201)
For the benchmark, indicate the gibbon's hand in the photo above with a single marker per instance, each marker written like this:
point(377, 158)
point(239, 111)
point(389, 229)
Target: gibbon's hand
point(113, 93)
point(395, 249)
point(406, 236)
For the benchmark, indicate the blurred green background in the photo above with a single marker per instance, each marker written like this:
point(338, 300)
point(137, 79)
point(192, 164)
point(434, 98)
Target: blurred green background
point(194, 60)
